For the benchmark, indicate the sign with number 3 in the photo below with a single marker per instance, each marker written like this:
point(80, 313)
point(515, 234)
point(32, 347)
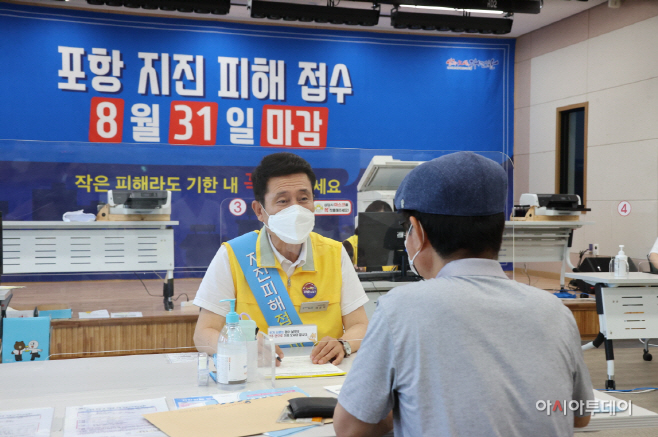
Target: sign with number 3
point(237, 207)
point(624, 208)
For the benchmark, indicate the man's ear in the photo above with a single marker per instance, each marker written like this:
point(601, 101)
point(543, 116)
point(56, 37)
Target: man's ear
point(416, 226)
point(258, 210)
point(419, 231)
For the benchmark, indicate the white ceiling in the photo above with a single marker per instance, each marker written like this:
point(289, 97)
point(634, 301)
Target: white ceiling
point(553, 10)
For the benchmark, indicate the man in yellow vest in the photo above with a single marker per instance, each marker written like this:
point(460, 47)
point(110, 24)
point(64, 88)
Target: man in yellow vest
point(285, 274)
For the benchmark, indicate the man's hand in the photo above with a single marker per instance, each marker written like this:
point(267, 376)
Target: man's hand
point(581, 422)
point(279, 354)
point(326, 350)
point(267, 357)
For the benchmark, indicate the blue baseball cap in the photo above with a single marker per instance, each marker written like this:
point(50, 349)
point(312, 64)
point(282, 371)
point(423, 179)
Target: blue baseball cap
point(461, 184)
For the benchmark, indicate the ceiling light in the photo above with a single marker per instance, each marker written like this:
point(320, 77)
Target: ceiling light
point(217, 7)
point(308, 13)
point(510, 6)
point(454, 23)
point(441, 8)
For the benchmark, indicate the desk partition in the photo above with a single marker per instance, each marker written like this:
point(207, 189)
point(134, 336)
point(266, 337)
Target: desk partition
point(539, 241)
point(74, 264)
point(49, 258)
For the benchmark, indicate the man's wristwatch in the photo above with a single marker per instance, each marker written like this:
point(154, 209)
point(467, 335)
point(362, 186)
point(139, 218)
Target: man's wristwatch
point(346, 347)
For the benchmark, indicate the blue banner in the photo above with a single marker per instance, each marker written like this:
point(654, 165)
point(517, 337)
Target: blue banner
point(101, 78)
point(97, 101)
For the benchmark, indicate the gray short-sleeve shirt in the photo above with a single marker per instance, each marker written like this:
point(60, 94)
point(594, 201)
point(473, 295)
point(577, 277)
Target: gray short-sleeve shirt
point(468, 353)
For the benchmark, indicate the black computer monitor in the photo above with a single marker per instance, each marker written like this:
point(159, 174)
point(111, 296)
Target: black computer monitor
point(601, 264)
point(381, 242)
point(595, 264)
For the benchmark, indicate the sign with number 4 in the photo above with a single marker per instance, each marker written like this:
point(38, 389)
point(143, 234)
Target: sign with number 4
point(624, 208)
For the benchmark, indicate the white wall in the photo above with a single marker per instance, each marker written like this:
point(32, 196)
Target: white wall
point(609, 58)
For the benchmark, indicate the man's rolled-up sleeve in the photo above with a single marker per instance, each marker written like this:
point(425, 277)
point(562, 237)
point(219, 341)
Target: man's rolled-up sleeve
point(367, 393)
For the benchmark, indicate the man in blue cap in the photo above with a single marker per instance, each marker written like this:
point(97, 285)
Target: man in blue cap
point(467, 351)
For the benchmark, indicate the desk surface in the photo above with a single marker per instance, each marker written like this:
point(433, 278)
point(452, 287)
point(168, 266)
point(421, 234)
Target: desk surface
point(571, 224)
point(29, 224)
point(369, 286)
point(633, 278)
point(84, 381)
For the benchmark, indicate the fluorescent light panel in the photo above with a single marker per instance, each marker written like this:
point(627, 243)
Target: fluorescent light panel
point(308, 13)
point(217, 7)
point(450, 23)
point(514, 6)
point(441, 8)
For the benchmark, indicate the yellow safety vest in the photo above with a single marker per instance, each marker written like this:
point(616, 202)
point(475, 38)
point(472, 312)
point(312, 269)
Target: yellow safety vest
point(322, 270)
point(354, 241)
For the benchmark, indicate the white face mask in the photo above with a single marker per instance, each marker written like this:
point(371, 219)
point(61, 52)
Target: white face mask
point(411, 261)
point(292, 224)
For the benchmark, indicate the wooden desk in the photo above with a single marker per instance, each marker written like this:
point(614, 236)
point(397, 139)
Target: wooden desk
point(76, 338)
point(156, 332)
point(586, 318)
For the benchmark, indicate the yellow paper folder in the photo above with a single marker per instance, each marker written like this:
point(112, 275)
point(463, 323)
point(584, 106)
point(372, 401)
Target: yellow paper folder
point(228, 420)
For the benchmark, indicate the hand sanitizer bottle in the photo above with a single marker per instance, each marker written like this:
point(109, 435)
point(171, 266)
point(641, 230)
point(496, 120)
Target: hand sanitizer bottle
point(621, 263)
point(231, 358)
point(249, 330)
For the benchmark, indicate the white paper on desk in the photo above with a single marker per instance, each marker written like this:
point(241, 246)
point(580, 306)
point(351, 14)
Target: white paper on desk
point(10, 287)
point(227, 398)
point(335, 389)
point(12, 313)
point(632, 411)
point(5, 290)
point(78, 216)
point(303, 367)
point(98, 314)
point(126, 314)
point(196, 401)
point(182, 357)
point(287, 432)
point(26, 423)
point(114, 420)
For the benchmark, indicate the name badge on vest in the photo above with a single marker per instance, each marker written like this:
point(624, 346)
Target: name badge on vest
point(293, 334)
point(310, 307)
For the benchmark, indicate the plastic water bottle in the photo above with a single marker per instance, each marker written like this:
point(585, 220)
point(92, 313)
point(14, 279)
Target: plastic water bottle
point(621, 263)
point(231, 357)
